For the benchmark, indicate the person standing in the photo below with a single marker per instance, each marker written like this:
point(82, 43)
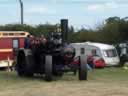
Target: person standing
point(27, 42)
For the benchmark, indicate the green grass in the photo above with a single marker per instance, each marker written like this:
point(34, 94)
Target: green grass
point(112, 75)
point(112, 82)
point(98, 75)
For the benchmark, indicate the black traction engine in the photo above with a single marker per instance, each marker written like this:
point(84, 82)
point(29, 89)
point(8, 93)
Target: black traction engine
point(52, 59)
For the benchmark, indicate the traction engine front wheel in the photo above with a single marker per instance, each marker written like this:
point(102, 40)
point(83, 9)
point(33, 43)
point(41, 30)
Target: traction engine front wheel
point(82, 68)
point(48, 68)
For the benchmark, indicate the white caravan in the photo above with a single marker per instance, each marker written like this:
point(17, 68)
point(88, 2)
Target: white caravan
point(107, 52)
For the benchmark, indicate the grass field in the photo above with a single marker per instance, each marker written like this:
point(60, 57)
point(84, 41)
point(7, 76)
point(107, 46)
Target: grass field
point(101, 82)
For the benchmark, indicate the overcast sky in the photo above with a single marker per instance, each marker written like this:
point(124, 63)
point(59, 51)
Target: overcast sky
point(81, 13)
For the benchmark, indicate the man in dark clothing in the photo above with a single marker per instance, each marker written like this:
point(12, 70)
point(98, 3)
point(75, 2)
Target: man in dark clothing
point(27, 42)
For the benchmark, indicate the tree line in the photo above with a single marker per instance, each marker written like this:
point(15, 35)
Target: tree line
point(113, 31)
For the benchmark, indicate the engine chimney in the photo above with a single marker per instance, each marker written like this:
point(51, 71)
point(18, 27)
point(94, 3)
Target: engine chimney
point(64, 30)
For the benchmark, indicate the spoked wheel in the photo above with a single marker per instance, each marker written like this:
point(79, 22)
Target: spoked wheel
point(83, 68)
point(24, 64)
point(48, 68)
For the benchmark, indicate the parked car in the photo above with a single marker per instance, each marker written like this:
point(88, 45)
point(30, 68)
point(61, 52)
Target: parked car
point(99, 62)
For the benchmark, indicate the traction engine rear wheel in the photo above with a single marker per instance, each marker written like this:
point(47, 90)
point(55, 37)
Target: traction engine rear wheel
point(20, 66)
point(24, 65)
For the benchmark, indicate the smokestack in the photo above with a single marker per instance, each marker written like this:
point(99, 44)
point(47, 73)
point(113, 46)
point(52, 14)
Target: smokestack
point(64, 30)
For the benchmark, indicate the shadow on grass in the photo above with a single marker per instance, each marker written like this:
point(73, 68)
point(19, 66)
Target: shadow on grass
point(13, 77)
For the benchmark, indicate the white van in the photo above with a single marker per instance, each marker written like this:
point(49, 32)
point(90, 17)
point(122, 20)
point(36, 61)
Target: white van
point(107, 52)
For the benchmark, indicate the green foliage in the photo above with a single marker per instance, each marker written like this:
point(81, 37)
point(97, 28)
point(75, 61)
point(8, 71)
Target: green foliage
point(113, 31)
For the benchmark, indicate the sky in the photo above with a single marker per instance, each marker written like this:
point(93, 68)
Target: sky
point(81, 13)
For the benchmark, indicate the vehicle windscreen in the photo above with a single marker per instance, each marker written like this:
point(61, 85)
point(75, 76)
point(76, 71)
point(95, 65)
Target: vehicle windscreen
point(110, 53)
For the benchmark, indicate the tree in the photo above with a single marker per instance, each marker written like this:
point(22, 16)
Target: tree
point(111, 20)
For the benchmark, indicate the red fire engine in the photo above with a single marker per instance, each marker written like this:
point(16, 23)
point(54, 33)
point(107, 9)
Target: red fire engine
point(10, 41)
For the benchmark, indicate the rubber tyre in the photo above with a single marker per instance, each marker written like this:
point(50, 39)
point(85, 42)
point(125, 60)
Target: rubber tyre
point(29, 66)
point(23, 65)
point(83, 68)
point(20, 64)
point(48, 68)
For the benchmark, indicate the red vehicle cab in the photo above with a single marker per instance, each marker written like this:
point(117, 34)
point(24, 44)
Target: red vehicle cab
point(96, 60)
point(99, 62)
point(10, 41)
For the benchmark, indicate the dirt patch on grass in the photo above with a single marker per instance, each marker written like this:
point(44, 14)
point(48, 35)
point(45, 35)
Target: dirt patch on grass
point(67, 89)
point(106, 82)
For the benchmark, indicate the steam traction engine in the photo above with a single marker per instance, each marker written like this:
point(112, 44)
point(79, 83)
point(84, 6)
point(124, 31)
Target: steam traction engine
point(52, 59)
